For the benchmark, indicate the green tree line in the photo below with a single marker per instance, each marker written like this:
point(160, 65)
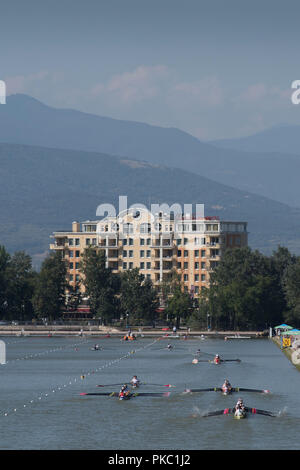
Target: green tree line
point(248, 290)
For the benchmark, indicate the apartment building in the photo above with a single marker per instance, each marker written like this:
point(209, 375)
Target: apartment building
point(155, 243)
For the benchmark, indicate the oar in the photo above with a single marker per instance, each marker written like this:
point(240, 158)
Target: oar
point(260, 412)
point(230, 360)
point(108, 394)
point(191, 390)
point(110, 385)
point(141, 383)
point(115, 394)
point(218, 412)
point(239, 389)
point(158, 385)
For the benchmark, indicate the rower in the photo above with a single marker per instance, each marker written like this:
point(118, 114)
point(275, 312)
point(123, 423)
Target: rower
point(124, 391)
point(135, 381)
point(96, 347)
point(217, 359)
point(226, 384)
point(239, 405)
point(169, 346)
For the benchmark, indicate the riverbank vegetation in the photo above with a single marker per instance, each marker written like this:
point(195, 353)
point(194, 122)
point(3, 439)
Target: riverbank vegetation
point(248, 290)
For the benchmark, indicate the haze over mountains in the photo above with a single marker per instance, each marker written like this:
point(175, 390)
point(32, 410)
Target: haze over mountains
point(25, 120)
point(58, 165)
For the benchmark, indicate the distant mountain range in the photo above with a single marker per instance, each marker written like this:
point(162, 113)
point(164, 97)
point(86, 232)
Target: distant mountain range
point(44, 189)
point(284, 139)
point(271, 170)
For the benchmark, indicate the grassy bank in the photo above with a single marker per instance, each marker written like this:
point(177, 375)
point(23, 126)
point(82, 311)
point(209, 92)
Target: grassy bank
point(286, 351)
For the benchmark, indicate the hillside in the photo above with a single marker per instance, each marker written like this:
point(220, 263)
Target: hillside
point(25, 120)
point(43, 190)
point(280, 139)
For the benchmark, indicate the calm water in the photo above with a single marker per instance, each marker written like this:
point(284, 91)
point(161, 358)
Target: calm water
point(41, 406)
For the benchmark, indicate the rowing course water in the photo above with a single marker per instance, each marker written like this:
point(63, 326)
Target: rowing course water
point(41, 406)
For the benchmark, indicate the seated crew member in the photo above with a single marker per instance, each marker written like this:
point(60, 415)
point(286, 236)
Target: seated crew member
point(226, 385)
point(135, 381)
point(217, 359)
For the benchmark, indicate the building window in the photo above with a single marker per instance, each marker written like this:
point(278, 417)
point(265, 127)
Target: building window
point(185, 277)
point(124, 254)
point(203, 277)
point(185, 253)
point(148, 265)
point(203, 265)
point(142, 241)
point(71, 242)
point(142, 253)
point(76, 265)
point(196, 265)
point(196, 277)
point(148, 253)
point(70, 265)
point(179, 253)
point(130, 265)
point(71, 254)
point(77, 253)
point(71, 277)
point(142, 265)
point(185, 265)
point(148, 241)
point(130, 253)
point(202, 253)
point(130, 241)
point(124, 265)
point(196, 253)
point(87, 241)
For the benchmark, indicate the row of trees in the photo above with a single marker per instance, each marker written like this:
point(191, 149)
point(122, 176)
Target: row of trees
point(248, 290)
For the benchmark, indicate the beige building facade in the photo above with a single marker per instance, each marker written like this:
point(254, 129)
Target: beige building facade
point(155, 243)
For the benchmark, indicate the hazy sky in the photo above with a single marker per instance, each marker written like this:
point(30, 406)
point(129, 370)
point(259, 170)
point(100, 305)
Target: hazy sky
point(215, 68)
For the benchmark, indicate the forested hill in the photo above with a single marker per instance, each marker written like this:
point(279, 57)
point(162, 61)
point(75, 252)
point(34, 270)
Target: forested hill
point(44, 189)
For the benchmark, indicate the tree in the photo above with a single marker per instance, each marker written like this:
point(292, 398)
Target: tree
point(245, 290)
point(179, 304)
point(4, 263)
point(20, 286)
point(138, 298)
point(49, 294)
point(101, 285)
point(292, 290)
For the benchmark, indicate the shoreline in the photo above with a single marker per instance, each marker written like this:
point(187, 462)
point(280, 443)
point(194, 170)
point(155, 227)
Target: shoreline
point(75, 330)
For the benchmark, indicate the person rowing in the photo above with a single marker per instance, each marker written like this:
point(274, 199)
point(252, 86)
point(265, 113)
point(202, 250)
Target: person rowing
point(169, 346)
point(226, 387)
point(217, 359)
point(239, 405)
point(124, 392)
point(135, 382)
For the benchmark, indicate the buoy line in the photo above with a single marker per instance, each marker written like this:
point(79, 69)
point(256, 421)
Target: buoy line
point(75, 380)
point(33, 355)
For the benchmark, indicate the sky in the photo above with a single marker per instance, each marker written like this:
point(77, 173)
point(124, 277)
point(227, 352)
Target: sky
point(216, 69)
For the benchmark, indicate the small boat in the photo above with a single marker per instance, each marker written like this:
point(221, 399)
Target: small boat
point(238, 337)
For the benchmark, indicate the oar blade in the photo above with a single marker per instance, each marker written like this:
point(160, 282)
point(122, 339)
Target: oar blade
point(217, 413)
point(260, 412)
point(239, 389)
